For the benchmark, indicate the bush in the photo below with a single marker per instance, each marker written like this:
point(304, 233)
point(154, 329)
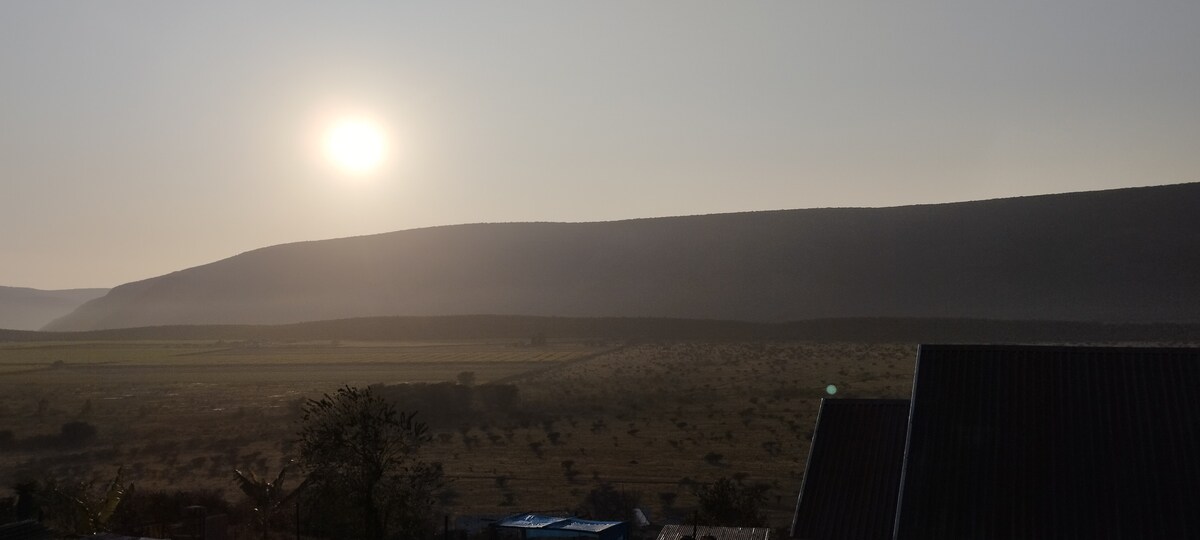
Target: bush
point(76, 434)
point(728, 502)
point(607, 503)
point(142, 508)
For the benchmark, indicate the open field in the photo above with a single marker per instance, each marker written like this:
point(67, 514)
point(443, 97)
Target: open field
point(242, 363)
point(652, 418)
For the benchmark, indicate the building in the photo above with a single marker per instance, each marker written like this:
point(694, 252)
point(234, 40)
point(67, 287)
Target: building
point(853, 472)
point(1045, 442)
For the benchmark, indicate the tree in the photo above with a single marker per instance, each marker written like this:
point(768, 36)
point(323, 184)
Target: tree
point(268, 497)
point(731, 503)
point(360, 453)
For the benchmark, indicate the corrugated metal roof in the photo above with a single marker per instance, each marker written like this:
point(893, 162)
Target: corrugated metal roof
point(529, 521)
point(111, 536)
point(535, 521)
point(853, 474)
point(587, 525)
point(1052, 442)
point(677, 532)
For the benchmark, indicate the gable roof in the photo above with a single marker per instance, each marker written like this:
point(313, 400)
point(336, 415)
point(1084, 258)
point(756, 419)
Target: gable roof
point(677, 532)
point(1052, 442)
point(853, 473)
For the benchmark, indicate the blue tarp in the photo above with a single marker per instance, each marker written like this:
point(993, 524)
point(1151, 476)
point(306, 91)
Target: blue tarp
point(529, 521)
point(576, 524)
point(537, 526)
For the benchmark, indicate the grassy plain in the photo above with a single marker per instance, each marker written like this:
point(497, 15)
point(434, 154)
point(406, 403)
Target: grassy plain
point(654, 418)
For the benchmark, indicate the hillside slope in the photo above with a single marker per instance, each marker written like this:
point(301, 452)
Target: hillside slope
point(29, 309)
point(1129, 255)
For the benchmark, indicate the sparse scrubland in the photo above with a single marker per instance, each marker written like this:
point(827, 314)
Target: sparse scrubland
point(517, 427)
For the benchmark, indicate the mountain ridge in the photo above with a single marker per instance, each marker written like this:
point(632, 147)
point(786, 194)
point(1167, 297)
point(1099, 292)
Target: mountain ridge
point(1122, 255)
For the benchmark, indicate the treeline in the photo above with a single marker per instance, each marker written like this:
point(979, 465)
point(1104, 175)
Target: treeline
point(448, 404)
point(525, 328)
point(71, 435)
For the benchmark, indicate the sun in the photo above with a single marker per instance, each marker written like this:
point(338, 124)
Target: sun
point(355, 145)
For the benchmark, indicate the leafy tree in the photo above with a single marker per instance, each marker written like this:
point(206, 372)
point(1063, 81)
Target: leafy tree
point(268, 497)
point(730, 503)
point(360, 453)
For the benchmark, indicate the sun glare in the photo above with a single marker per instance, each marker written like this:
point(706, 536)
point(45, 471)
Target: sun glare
point(355, 146)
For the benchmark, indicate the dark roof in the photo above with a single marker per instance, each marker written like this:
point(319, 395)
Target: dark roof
point(1052, 442)
point(677, 532)
point(111, 536)
point(25, 530)
point(853, 472)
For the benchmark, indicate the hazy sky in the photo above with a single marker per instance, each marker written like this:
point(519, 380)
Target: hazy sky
point(138, 138)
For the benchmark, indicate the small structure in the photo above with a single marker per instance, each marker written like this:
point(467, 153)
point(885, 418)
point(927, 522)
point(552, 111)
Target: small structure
point(698, 532)
point(524, 526)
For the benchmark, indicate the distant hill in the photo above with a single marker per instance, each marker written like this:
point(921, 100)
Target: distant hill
point(29, 309)
point(1127, 255)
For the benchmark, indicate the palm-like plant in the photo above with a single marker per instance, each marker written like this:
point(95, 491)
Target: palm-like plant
point(84, 513)
point(268, 497)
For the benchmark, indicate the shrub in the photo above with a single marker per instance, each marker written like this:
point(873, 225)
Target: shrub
point(76, 434)
point(731, 503)
point(607, 503)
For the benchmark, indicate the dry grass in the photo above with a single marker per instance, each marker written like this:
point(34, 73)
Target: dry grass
point(651, 418)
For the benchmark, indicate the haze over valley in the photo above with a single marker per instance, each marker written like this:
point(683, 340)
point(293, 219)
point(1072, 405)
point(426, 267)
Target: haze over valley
point(22, 308)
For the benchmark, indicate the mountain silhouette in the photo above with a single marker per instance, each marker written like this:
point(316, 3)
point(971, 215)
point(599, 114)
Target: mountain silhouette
point(1125, 255)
